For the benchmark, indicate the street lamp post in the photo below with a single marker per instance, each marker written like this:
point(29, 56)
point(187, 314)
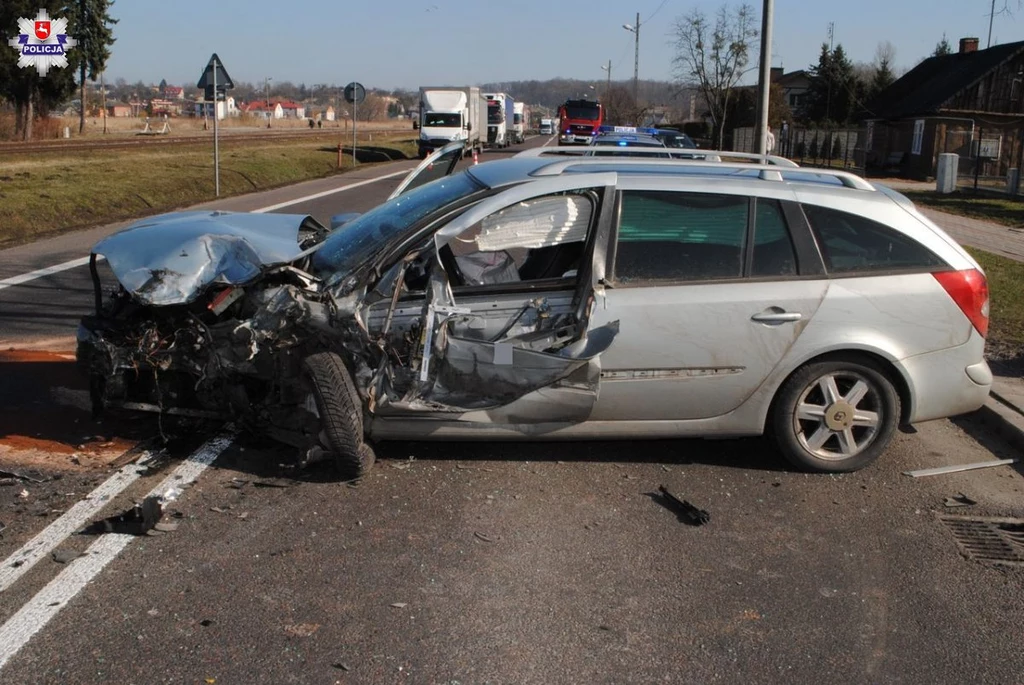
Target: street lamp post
point(608, 68)
point(764, 84)
point(635, 30)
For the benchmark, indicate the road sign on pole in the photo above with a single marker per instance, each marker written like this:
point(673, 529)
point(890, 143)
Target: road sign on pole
point(354, 94)
point(215, 82)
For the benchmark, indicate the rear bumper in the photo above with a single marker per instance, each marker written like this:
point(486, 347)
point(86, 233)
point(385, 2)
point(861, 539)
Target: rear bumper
point(948, 382)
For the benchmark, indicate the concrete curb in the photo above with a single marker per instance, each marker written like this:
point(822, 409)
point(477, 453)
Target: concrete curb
point(1002, 417)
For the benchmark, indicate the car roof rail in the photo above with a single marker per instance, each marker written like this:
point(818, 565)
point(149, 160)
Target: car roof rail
point(770, 168)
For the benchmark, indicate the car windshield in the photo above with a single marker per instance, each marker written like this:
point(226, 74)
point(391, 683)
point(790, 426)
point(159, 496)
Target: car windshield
point(446, 119)
point(357, 241)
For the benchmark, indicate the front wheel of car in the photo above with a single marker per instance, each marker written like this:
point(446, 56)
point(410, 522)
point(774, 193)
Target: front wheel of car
point(339, 407)
point(835, 416)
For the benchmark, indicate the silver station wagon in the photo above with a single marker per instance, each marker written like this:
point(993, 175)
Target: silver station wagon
point(553, 297)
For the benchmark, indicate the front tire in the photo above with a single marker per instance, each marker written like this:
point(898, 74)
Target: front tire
point(835, 416)
point(341, 415)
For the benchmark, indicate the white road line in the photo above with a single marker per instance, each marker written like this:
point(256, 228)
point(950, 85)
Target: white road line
point(19, 563)
point(75, 263)
point(34, 615)
point(42, 273)
point(550, 140)
point(325, 193)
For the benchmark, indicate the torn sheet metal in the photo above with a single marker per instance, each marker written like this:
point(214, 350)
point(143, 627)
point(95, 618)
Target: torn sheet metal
point(481, 375)
point(172, 258)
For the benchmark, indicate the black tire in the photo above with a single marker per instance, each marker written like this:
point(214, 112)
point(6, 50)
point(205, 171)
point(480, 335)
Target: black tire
point(341, 413)
point(836, 441)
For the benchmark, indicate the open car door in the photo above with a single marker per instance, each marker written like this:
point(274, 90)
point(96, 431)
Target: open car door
point(504, 325)
point(438, 164)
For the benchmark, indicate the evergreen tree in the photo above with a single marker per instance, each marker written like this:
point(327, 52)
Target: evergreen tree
point(834, 91)
point(943, 48)
point(92, 26)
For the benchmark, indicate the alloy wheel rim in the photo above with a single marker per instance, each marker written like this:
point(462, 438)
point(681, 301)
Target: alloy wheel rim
point(838, 416)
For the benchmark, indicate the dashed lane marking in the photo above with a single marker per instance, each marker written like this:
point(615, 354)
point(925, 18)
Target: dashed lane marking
point(48, 602)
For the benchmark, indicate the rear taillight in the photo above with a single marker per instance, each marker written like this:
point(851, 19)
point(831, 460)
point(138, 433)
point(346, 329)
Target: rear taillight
point(969, 290)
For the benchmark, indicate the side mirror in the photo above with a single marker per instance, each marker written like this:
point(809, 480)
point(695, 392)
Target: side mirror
point(415, 124)
point(469, 126)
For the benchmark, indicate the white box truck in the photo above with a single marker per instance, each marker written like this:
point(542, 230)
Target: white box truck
point(451, 113)
point(548, 127)
point(500, 119)
point(520, 122)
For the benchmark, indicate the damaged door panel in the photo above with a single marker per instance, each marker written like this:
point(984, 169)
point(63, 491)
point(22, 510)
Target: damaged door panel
point(517, 326)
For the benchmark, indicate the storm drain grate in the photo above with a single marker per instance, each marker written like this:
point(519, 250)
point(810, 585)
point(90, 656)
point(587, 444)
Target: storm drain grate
point(992, 540)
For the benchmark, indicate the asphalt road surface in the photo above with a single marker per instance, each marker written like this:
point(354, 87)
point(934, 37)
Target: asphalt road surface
point(481, 562)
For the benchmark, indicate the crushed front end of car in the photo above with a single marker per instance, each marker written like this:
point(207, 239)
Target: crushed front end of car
point(212, 317)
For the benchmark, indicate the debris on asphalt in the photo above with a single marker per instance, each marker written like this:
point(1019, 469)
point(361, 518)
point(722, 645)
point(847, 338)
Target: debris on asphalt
point(23, 494)
point(139, 520)
point(399, 605)
point(206, 622)
point(64, 556)
point(482, 537)
point(687, 512)
point(302, 629)
point(275, 483)
point(221, 510)
point(3, 527)
point(166, 527)
point(236, 483)
point(959, 500)
point(9, 481)
point(32, 476)
point(940, 470)
point(341, 666)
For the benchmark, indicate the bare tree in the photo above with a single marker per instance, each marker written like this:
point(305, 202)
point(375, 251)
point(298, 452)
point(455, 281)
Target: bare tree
point(714, 58)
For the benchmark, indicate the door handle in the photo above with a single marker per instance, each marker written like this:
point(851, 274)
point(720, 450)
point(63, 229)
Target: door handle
point(776, 316)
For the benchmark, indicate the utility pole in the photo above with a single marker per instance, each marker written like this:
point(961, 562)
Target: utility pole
point(270, 112)
point(764, 83)
point(831, 68)
point(103, 101)
point(608, 68)
point(635, 29)
point(991, 20)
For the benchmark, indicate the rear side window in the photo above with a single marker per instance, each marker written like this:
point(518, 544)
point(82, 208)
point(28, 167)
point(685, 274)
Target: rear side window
point(773, 248)
point(851, 243)
point(669, 236)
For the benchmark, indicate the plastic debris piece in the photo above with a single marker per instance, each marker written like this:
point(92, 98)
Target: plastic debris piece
point(940, 470)
point(31, 476)
point(960, 500)
point(302, 629)
point(481, 536)
point(687, 512)
point(206, 623)
point(275, 483)
point(399, 605)
point(63, 556)
point(167, 527)
point(341, 666)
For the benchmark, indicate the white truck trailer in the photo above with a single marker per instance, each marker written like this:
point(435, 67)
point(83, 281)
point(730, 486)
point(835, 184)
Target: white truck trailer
point(500, 118)
point(521, 122)
point(448, 114)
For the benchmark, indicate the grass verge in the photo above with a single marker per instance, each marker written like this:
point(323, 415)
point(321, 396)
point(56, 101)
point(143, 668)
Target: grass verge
point(48, 193)
point(1006, 292)
point(996, 209)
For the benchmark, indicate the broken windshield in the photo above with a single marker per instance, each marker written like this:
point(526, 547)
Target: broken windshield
point(362, 238)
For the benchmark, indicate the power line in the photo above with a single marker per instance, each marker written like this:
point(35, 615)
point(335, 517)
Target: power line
point(663, 2)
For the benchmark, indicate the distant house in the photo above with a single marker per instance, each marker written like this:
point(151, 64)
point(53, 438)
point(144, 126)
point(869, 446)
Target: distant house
point(291, 110)
point(795, 86)
point(119, 109)
point(968, 103)
point(174, 93)
point(225, 108)
point(327, 114)
point(261, 110)
point(165, 106)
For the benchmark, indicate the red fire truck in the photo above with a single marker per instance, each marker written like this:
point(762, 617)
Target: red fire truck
point(579, 121)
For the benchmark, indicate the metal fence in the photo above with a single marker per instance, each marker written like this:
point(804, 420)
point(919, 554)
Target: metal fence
point(834, 148)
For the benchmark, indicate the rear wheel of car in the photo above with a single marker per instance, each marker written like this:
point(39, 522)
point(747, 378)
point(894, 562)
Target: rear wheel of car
point(835, 416)
point(340, 410)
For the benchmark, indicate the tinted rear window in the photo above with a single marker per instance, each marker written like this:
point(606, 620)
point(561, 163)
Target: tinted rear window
point(850, 243)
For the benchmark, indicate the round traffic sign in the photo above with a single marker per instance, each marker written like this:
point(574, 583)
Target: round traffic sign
point(355, 93)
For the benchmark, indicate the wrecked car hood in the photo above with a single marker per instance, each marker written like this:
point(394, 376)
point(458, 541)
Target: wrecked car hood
point(172, 258)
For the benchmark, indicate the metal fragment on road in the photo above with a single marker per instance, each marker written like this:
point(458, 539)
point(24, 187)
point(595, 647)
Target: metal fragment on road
point(63, 556)
point(484, 538)
point(399, 605)
point(32, 476)
point(687, 512)
point(959, 500)
point(940, 470)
